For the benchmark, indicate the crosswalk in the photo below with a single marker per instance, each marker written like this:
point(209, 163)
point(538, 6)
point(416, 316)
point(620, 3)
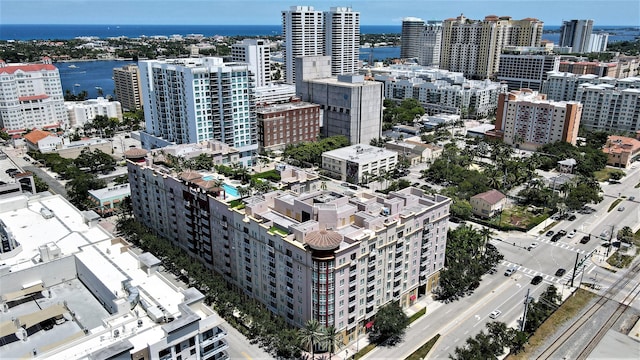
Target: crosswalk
point(560, 244)
point(547, 278)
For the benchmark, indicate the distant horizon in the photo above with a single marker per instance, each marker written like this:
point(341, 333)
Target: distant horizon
point(118, 24)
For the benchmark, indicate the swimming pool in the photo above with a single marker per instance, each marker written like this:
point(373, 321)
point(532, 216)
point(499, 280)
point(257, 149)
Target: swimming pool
point(208, 178)
point(230, 190)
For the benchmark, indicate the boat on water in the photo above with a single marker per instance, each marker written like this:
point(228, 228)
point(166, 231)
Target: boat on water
point(72, 66)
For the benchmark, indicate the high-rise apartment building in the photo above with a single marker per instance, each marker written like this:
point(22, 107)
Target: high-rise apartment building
point(431, 43)
point(196, 99)
point(350, 105)
point(421, 40)
point(342, 39)
point(31, 97)
point(411, 37)
point(334, 33)
point(257, 54)
point(598, 42)
point(323, 254)
point(527, 120)
point(576, 33)
point(127, 87)
point(473, 47)
point(611, 108)
point(526, 67)
point(303, 34)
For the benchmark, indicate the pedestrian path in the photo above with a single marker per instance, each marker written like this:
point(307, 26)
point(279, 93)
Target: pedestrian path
point(548, 278)
point(561, 244)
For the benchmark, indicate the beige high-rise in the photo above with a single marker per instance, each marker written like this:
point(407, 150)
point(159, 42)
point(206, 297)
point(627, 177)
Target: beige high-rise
point(127, 86)
point(473, 47)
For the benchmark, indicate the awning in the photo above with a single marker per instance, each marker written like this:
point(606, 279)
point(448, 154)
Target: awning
point(45, 314)
point(412, 297)
point(7, 328)
point(16, 295)
point(369, 325)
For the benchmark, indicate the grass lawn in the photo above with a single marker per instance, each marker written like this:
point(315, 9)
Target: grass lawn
point(519, 217)
point(605, 174)
point(422, 352)
point(567, 310)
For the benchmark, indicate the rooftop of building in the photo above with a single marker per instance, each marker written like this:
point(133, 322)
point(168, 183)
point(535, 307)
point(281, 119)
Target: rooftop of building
point(114, 266)
point(285, 106)
point(36, 135)
point(492, 196)
point(110, 192)
point(621, 144)
point(360, 153)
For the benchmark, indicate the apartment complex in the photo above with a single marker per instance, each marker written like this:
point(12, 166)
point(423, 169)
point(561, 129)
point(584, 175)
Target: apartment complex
point(325, 255)
point(196, 99)
point(310, 32)
point(526, 67)
point(82, 112)
point(421, 40)
point(450, 94)
point(350, 105)
point(127, 87)
point(588, 67)
point(257, 54)
point(31, 97)
point(576, 34)
point(527, 120)
point(287, 123)
point(473, 47)
point(359, 164)
point(610, 104)
point(80, 293)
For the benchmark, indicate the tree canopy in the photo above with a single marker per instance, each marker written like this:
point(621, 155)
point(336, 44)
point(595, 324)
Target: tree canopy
point(389, 325)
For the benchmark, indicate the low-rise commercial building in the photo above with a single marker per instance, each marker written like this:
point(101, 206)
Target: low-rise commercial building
point(288, 123)
point(83, 112)
point(359, 163)
point(107, 200)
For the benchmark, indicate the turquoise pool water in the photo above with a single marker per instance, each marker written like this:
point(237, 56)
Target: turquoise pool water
point(208, 178)
point(230, 190)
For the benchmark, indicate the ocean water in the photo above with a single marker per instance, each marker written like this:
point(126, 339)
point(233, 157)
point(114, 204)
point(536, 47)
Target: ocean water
point(76, 76)
point(65, 32)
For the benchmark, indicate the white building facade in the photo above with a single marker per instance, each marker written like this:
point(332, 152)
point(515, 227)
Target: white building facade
point(197, 99)
point(31, 97)
point(359, 163)
point(342, 39)
point(82, 112)
point(303, 34)
point(256, 53)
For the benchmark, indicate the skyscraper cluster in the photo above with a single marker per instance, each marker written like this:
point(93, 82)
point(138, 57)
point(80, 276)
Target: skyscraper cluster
point(310, 32)
point(578, 34)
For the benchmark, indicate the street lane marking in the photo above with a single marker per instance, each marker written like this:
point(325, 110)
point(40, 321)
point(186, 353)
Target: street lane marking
point(246, 355)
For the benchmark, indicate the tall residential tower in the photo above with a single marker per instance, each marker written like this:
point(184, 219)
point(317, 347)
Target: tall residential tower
point(302, 32)
point(127, 86)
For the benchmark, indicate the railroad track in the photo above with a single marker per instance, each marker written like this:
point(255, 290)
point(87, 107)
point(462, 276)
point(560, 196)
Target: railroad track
point(619, 285)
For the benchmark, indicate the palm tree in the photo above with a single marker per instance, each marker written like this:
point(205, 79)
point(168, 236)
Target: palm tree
point(486, 235)
point(330, 339)
point(310, 335)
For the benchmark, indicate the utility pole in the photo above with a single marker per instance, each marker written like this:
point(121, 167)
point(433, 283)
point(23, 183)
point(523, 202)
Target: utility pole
point(574, 269)
point(526, 306)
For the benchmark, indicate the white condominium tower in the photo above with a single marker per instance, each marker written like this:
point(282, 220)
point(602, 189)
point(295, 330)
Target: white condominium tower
point(257, 54)
point(342, 39)
point(31, 97)
point(196, 99)
point(302, 31)
point(421, 40)
point(473, 47)
point(309, 32)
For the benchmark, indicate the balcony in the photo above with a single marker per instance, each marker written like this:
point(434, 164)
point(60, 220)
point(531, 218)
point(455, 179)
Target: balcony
point(217, 347)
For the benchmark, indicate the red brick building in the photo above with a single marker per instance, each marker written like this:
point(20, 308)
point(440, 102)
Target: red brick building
point(289, 123)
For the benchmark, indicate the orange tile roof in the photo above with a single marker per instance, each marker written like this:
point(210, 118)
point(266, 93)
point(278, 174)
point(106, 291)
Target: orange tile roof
point(37, 135)
point(10, 69)
point(620, 144)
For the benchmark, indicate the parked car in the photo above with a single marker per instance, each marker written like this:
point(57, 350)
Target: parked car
point(536, 280)
point(571, 234)
point(572, 217)
point(560, 272)
point(631, 198)
point(26, 158)
point(549, 233)
point(10, 170)
point(562, 232)
point(509, 271)
point(495, 313)
point(556, 237)
point(585, 239)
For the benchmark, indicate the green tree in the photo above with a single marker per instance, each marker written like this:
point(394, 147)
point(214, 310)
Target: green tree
point(40, 184)
point(311, 335)
point(330, 339)
point(78, 189)
point(461, 209)
point(389, 325)
point(625, 235)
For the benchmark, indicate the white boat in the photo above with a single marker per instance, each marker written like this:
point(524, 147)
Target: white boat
point(72, 66)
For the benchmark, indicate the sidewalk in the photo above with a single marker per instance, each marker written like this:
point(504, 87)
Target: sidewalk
point(426, 301)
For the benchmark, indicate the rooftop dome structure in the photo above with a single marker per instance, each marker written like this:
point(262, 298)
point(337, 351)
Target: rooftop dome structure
point(323, 240)
point(135, 153)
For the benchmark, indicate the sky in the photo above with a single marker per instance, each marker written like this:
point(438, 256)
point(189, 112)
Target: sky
point(267, 12)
